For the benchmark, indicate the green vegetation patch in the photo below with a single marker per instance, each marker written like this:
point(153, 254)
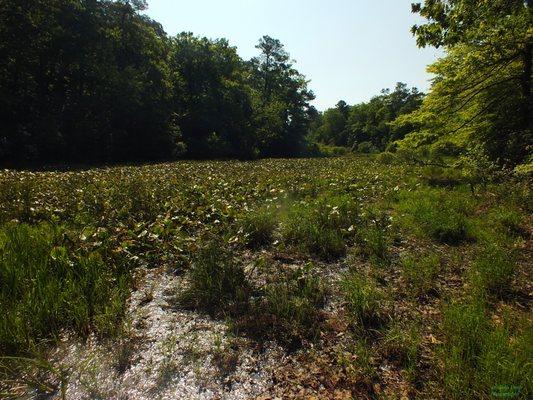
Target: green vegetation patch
point(217, 282)
point(420, 273)
point(47, 285)
point(321, 226)
point(364, 301)
point(480, 355)
point(438, 213)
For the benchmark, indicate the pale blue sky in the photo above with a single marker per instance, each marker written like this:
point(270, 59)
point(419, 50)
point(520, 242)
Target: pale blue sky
point(349, 49)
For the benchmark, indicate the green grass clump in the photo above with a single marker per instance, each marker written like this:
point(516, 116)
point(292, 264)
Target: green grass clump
point(363, 301)
point(374, 238)
point(216, 281)
point(493, 271)
point(402, 345)
point(259, 227)
point(321, 226)
point(420, 273)
point(287, 309)
point(437, 213)
point(45, 286)
point(295, 301)
point(508, 220)
point(479, 357)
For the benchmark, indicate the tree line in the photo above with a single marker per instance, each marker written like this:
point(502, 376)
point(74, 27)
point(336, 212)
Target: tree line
point(479, 106)
point(478, 111)
point(366, 127)
point(95, 81)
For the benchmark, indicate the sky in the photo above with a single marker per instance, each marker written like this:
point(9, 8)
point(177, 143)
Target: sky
point(348, 49)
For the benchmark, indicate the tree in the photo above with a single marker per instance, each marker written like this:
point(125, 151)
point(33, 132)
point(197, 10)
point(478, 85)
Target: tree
point(83, 81)
point(481, 97)
point(212, 97)
point(370, 122)
point(281, 106)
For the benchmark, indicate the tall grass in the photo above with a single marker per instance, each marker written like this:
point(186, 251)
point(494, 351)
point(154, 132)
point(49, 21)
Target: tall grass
point(321, 226)
point(287, 309)
point(374, 237)
point(46, 286)
point(216, 281)
point(420, 273)
point(493, 271)
point(363, 301)
point(480, 357)
point(259, 227)
point(438, 213)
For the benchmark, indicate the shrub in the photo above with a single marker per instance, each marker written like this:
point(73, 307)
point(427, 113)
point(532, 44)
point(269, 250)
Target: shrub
point(259, 228)
point(363, 301)
point(420, 273)
point(366, 148)
point(438, 176)
point(386, 158)
point(321, 226)
point(332, 151)
point(216, 281)
point(46, 287)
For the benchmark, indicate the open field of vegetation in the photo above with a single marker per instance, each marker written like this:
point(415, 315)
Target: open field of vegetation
point(336, 278)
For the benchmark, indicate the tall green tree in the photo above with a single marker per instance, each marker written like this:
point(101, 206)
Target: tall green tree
point(282, 109)
point(481, 97)
point(212, 98)
point(368, 122)
point(82, 81)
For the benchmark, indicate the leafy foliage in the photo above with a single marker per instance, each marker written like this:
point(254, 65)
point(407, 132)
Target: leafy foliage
point(366, 126)
point(97, 81)
point(481, 96)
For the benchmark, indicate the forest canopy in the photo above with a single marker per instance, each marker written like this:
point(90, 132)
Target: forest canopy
point(90, 81)
point(97, 81)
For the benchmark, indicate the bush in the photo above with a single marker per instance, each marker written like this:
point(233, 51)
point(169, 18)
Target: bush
point(366, 148)
point(363, 301)
point(332, 151)
point(420, 273)
point(46, 287)
point(216, 281)
point(445, 177)
point(321, 226)
point(386, 158)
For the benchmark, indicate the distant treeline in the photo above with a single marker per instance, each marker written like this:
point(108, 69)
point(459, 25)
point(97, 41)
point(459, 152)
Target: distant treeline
point(90, 81)
point(366, 127)
point(96, 81)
